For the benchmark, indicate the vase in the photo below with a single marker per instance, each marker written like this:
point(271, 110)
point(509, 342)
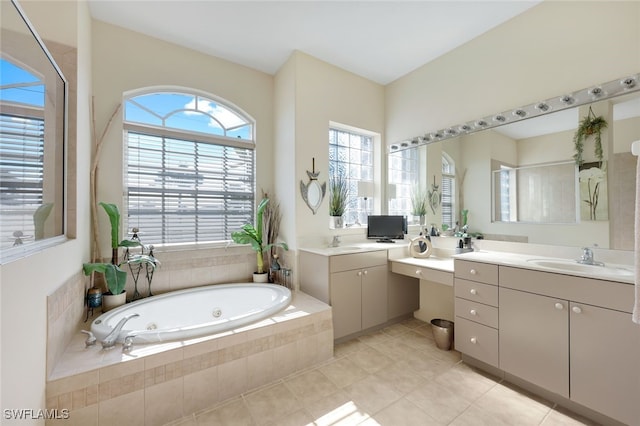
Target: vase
point(336, 222)
point(111, 301)
point(260, 278)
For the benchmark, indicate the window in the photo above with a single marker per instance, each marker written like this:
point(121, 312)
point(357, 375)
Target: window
point(351, 155)
point(403, 175)
point(448, 205)
point(189, 172)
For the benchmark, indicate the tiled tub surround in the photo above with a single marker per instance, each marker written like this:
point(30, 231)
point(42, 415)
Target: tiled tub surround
point(154, 384)
point(180, 269)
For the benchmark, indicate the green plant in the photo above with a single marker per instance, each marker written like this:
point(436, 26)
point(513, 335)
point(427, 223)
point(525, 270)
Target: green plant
point(419, 201)
point(114, 277)
point(250, 234)
point(589, 125)
point(338, 195)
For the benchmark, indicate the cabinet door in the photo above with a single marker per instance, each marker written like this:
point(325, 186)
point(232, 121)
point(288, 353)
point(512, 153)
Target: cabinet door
point(374, 296)
point(346, 302)
point(534, 339)
point(605, 352)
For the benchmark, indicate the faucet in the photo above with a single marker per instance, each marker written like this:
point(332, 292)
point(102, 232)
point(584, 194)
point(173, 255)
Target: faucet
point(587, 258)
point(110, 341)
point(335, 242)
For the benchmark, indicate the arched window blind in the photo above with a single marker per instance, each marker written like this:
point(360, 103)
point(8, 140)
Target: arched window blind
point(189, 171)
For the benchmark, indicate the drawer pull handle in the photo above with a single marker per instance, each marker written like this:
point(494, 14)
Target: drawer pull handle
point(473, 312)
point(365, 272)
point(577, 309)
point(418, 272)
point(474, 340)
point(473, 291)
point(359, 273)
point(559, 306)
point(473, 272)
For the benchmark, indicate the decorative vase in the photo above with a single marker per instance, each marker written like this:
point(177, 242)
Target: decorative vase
point(336, 222)
point(111, 301)
point(260, 278)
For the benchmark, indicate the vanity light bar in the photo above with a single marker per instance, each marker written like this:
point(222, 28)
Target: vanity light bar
point(600, 92)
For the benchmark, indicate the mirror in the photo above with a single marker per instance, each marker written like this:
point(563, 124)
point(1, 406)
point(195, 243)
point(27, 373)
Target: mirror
point(32, 137)
point(313, 192)
point(540, 150)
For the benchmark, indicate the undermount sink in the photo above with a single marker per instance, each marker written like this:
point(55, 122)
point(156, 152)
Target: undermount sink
point(573, 266)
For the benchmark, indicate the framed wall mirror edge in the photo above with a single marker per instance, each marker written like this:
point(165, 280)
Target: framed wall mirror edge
point(577, 200)
point(33, 140)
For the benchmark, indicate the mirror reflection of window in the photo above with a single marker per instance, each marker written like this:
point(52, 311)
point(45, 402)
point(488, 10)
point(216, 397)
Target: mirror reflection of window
point(22, 147)
point(448, 205)
point(403, 175)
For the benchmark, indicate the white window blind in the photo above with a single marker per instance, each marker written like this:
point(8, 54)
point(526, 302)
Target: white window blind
point(181, 191)
point(448, 192)
point(21, 175)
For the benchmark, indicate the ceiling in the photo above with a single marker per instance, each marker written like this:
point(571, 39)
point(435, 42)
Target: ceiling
point(378, 40)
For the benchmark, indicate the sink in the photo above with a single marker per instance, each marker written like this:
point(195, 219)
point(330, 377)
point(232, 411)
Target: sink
point(573, 266)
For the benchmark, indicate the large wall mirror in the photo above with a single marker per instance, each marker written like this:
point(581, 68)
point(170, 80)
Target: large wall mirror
point(32, 138)
point(515, 176)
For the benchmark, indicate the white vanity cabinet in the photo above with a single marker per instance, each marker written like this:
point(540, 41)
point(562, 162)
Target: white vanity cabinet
point(355, 285)
point(573, 336)
point(476, 310)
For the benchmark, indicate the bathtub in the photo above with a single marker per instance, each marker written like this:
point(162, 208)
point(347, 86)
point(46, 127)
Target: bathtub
point(195, 312)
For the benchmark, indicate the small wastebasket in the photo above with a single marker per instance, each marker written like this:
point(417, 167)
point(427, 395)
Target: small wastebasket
point(442, 333)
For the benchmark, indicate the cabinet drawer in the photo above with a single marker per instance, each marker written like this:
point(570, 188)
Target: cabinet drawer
point(345, 262)
point(477, 341)
point(474, 311)
point(476, 271)
point(478, 292)
point(422, 273)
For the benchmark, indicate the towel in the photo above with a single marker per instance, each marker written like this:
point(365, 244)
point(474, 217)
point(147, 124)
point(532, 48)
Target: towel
point(636, 307)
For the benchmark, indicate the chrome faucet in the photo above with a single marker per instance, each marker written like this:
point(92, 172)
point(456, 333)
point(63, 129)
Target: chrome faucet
point(335, 242)
point(110, 341)
point(587, 257)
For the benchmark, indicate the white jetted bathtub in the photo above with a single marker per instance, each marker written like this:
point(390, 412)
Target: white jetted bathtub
point(195, 312)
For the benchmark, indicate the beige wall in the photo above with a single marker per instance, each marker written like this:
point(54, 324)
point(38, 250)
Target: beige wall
point(27, 282)
point(314, 93)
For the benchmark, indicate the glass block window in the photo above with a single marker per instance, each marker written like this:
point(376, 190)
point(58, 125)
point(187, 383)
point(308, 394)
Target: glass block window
point(189, 168)
point(351, 155)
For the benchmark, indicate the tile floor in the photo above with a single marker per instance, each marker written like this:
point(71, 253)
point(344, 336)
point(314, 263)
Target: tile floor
point(397, 377)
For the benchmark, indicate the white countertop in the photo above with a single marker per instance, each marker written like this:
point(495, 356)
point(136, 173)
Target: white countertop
point(347, 248)
point(610, 272)
point(444, 264)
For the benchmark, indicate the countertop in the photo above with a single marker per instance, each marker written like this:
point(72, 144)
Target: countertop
point(347, 248)
point(610, 272)
point(444, 264)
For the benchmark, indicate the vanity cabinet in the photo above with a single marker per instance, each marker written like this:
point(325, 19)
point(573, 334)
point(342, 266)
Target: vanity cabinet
point(476, 310)
point(355, 285)
point(534, 339)
point(573, 336)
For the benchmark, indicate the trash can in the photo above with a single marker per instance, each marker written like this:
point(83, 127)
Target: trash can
point(442, 333)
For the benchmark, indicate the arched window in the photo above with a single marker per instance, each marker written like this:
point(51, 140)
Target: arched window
point(189, 167)
point(448, 191)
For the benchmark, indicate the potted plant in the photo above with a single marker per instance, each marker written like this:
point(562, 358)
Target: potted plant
point(114, 277)
point(589, 125)
point(419, 203)
point(250, 234)
point(338, 199)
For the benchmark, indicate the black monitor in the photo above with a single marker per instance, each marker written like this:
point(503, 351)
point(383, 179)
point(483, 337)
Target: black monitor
point(386, 228)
